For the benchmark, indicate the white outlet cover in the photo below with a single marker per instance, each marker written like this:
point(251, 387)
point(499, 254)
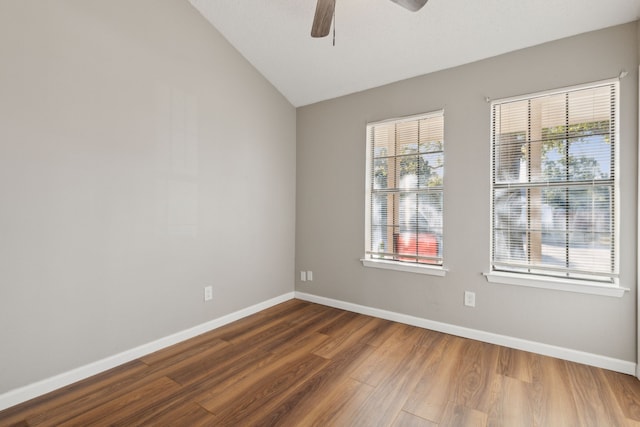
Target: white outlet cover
point(470, 299)
point(208, 293)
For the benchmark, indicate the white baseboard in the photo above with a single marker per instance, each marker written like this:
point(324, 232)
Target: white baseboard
point(591, 359)
point(39, 388)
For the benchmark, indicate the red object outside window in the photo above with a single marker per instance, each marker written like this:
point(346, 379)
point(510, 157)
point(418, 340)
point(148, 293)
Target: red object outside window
point(425, 246)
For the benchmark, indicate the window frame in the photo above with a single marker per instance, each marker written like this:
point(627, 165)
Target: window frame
point(369, 260)
point(535, 279)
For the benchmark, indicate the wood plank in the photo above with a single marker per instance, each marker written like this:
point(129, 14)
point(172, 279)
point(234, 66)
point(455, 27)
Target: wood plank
point(298, 331)
point(399, 379)
point(93, 395)
point(551, 397)
point(389, 329)
point(255, 402)
point(339, 402)
point(381, 363)
point(475, 374)
point(44, 407)
point(405, 419)
point(595, 402)
point(182, 350)
point(309, 396)
point(267, 319)
point(370, 371)
point(182, 356)
point(216, 379)
point(144, 397)
point(341, 321)
point(207, 374)
point(436, 386)
point(358, 332)
point(221, 397)
point(627, 392)
point(515, 364)
point(510, 404)
point(460, 415)
point(184, 414)
point(231, 357)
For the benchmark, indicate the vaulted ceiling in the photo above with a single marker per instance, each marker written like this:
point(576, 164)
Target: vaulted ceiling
point(377, 42)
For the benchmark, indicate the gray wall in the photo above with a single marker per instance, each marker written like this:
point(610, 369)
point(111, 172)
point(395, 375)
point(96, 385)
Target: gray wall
point(141, 158)
point(330, 197)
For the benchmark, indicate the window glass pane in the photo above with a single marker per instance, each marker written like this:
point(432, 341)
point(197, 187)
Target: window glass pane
point(430, 211)
point(407, 137)
point(554, 164)
point(553, 250)
point(408, 219)
point(511, 118)
point(590, 252)
point(548, 117)
point(554, 209)
point(379, 209)
point(410, 170)
point(432, 170)
point(406, 167)
point(418, 247)
point(509, 158)
point(509, 224)
point(380, 173)
point(589, 158)
point(554, 184)
point(589, 209)
point(383, 136)
point(589, 112)
point(379, 241)
point(431, 146)
point(431, 133)
point(428, 246)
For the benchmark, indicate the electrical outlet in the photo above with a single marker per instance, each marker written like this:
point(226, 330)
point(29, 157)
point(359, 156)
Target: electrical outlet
point(470, 299)
point(310, 276)
point(208, 293)
point(303, 276)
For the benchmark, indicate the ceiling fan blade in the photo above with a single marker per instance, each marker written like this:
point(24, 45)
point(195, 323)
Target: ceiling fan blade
point(412, 5)
point(322, 19)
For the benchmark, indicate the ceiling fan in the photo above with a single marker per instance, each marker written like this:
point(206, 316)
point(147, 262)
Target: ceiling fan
point(325, 9)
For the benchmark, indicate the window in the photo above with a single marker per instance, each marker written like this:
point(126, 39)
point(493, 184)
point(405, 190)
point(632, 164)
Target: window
point(405, 169)
point(554, 184)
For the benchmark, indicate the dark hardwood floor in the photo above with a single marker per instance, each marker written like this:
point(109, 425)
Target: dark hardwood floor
point(303, 364)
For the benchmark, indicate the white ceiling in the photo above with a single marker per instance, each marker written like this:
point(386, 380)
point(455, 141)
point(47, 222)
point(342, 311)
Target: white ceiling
point(379, 42)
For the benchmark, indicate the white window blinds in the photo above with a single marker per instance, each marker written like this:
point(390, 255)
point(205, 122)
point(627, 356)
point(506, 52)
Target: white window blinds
point(405, 170)
point(554, 183)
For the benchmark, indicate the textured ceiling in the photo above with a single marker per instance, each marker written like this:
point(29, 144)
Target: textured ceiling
point(378, 42)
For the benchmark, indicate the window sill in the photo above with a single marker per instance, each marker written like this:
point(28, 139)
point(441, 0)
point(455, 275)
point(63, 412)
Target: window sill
point(399, 266)
point(557, 284)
